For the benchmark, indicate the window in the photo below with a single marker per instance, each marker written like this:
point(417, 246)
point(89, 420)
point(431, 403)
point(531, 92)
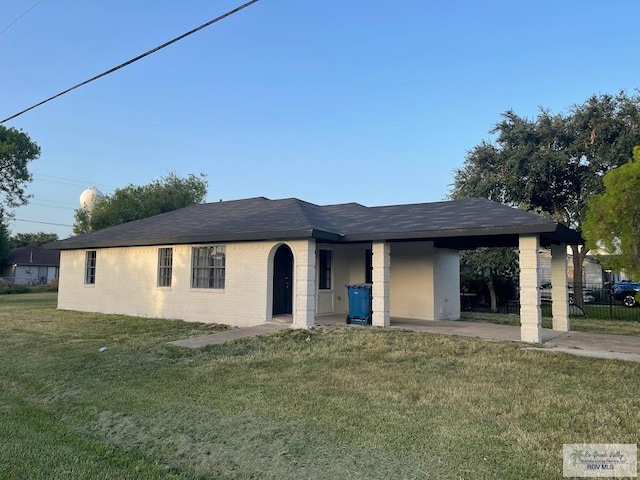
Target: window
point(325, 270)
point(207, 267)
point(368, 266)
point(90, 268)
point(165, 266)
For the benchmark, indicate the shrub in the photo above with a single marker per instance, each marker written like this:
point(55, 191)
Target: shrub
point(52, 286)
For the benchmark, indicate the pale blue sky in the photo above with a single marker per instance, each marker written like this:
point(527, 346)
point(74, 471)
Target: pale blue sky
point(330, 101)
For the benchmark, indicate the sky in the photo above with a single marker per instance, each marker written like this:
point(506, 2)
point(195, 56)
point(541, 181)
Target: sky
point(329, 101)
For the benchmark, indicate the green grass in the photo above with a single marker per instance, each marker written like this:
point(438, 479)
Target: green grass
point(352, 402)
point(579, 324)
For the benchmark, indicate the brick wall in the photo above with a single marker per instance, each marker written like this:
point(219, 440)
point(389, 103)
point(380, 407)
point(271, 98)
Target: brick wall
point(425, 282)
point(126, 283)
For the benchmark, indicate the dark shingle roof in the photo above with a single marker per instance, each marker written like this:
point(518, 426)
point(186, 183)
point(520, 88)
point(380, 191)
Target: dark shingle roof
point(32, 255)
point(264, 219)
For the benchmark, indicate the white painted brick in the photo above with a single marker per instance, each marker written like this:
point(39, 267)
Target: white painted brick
point(126, 283)
point(530, 313)
point(380, 292)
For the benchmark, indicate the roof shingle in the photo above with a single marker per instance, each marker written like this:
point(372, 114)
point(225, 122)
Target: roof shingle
point(263, 219)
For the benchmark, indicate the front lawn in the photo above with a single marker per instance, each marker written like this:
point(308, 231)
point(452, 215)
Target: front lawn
point(336, 402)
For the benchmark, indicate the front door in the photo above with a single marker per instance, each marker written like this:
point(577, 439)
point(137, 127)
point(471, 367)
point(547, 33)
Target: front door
point(283, 281)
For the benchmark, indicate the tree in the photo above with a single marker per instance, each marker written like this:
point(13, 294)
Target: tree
point(16, 151)
point(553, 164)
point(4, 236)
point(491, 267)
point(37, 239)
point(613, 218)
point(135, 202)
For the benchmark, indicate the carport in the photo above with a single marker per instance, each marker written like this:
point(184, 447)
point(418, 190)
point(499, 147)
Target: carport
point(466, 225)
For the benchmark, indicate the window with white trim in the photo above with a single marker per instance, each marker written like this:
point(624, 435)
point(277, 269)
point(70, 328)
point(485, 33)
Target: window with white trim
point(165, 266)
point(208, 267)
point(90, 267)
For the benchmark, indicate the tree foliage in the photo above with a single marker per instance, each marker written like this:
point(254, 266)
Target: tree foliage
point(4, 236)
point(493, 269)
point(135, 202)
point(16, 151)
point(613, 218)
point(553, 164)
point(37, 239)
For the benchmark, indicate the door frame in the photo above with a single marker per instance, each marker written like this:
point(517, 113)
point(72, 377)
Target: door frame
point(286, 266)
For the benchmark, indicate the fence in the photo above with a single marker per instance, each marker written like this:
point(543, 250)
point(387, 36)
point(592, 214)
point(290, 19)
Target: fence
point(598, 302)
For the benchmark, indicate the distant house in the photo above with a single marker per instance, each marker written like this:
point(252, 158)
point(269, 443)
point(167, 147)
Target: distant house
point(593, 275)
point(31, 265)
point(246, 262)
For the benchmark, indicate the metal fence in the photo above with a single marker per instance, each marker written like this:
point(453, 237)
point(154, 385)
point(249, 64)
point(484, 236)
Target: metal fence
point(598, 302)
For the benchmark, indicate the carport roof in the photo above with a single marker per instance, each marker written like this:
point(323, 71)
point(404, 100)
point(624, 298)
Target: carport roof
point(460, 224)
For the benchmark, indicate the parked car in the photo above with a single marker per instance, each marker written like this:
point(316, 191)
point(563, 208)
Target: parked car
point(626, 292)
point(545, 294)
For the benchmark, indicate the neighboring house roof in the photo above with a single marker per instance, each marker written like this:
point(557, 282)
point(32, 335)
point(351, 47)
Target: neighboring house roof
point(454, 224)
point(32, 255)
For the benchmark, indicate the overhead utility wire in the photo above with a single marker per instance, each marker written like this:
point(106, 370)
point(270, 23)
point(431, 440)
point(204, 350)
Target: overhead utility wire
point(38, 204)
point(16, 20)
point(44, 223)
point(133, 60)
point(69, 181)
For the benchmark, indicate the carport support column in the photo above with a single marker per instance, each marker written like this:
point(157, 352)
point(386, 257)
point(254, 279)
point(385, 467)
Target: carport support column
point(305, 285)
point(380, 263)
point(559, 290)
point(530, 313)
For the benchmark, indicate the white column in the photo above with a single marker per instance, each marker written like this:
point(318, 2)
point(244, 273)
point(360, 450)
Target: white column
point(381, 262)
point(559, 290)
point(530, 313)
point(304, 307)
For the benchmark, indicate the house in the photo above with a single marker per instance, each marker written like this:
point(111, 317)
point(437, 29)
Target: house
point(593, 274)
point(31, 265)
point(245, 262)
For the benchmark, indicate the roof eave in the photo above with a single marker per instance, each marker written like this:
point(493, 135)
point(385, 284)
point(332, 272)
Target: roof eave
point(80, 244)
point(467, 232)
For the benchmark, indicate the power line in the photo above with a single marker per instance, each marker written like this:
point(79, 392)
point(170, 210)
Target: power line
point(69, 181)
point(16, 20)
point(44, 223)
point(51, 206)
point(59, 202)
point(133, 60)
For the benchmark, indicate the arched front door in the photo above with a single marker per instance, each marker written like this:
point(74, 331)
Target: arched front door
point(283, 281)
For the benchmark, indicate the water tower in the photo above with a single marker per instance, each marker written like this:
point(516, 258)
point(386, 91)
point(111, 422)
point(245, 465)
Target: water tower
point(90, 198)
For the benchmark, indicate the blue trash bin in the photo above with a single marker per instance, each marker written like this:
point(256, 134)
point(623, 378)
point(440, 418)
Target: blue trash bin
point(359, 304)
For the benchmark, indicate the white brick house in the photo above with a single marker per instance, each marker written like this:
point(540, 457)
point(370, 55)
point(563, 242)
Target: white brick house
point(243, 262)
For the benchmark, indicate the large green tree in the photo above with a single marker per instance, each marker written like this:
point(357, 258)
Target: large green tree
point(4, 236)
point(16, 151)
point(36, 239)
point(613, 218)
point(492, 268)
point(554, 163)
point(134, 202)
